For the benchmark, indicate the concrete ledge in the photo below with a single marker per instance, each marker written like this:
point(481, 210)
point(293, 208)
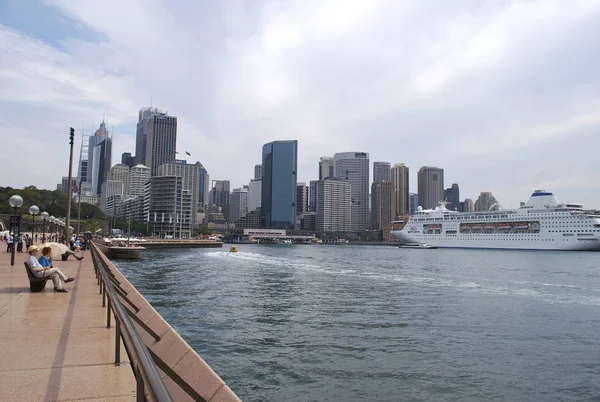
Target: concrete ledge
point(185, 374)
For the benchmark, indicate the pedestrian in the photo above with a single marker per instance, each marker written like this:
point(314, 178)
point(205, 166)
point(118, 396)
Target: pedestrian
point(27, 241)
point(20, 243)
point(9, 242)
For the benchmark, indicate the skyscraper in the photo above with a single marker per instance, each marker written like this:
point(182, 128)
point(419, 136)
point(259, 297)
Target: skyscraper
point(120, 172)
point(257, 172)
point(312, 195)
point(254, 194)
point(382, 204)
point(381, 172)
point(278, 201)
point(354, 168)
point(334, 206)
point(170, 206)
point(202, 187)
point(400, 178)
point(326, 167)
point(468, 205)
point(485, 202)
point(431, 186)
point(156, 138)
point(239, 204)
point(99, 157)
point(451, 196)
point(301, 198)
point(219, 195)
point(413, 203)
point(127, 159)
point(139, 175)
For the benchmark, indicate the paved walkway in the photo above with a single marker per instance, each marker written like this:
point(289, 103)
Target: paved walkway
point(55, 346)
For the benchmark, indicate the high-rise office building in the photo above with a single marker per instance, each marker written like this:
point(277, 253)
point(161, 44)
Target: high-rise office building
point(485, 202)
point(354, 168)
point(156, 138)
point(120, 172)
point(334, 206)
point(257, 172)
point(189, 174)
point(382, 204)
point(127, 159)
point(312, 195)
point(203, 185)
point(64, 185)
point(301, 198)
point(238, 206)
point(99, 157)
point(82, 166)
point(400, 178)
point(382, 171)
point(326, 167)
point(452, 197)
point(110, 188)
point(219, 195)
point(254, 194)
point(278, 201)
point(468, 205)
point(430, 186)
point(138, 177)
point(413, 203)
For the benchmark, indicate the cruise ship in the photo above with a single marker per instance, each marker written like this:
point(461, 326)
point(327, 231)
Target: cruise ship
point(540, 224)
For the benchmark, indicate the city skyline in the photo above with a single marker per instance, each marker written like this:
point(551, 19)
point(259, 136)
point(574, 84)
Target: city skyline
point(514, 96)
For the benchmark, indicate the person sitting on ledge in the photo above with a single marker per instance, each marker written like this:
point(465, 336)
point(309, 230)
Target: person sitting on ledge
point(40, 271)
point(67, 253)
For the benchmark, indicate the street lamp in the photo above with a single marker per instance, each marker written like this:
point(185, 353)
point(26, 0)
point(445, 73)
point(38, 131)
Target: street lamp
point(33, 211)
point(15, 222)
point(45, 217)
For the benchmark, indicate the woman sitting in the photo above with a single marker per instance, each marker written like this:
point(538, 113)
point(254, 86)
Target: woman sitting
point(43, 268)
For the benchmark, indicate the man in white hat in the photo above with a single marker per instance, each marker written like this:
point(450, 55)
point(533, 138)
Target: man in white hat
point(40, 272)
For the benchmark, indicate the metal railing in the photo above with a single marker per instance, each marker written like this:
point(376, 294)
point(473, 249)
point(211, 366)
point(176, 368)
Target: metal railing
point(142, 364)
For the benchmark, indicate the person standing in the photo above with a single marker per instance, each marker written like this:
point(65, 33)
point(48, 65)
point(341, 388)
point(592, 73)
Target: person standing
point(19, 243)
point(28, 241)
point(9, 242)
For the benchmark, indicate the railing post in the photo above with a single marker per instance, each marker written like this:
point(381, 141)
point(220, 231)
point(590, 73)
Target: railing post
point(140, 397)
point(100, 291)
point(108, 314)
point(117, 342)
point(104, 297)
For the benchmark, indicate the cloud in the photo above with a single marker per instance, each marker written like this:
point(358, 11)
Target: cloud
point(499, 94)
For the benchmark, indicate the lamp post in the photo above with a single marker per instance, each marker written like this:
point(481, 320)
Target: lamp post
point(45, 217)
point(15, 222)
point(33, 211)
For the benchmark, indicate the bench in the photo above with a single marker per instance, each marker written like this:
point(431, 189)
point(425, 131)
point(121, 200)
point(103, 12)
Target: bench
point(35, 284)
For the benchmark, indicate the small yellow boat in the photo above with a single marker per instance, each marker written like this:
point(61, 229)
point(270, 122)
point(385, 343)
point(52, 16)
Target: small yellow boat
point(232, 249)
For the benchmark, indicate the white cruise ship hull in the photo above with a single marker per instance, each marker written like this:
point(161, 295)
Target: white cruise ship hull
point(500, 241)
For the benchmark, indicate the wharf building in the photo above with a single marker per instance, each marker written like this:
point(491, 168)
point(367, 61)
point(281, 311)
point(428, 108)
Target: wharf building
point(334, 206)
point(353, 167)
point(400, 179)
point(430, 186)
point(99, 158)
point(169, 207)
point(382, 204)
point(382, 171)
point(190, 176)
point(452, 197)
point(278, 200)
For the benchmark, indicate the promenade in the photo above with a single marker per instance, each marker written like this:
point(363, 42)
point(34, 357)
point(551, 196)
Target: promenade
point(55, 346)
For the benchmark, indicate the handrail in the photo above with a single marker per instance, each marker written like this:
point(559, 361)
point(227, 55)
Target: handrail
point(143, 366)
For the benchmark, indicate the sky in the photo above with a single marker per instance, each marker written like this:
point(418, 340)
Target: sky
point(504, 95)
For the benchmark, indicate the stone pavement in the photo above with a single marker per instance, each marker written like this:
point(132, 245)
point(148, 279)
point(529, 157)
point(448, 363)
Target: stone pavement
point(55, 346)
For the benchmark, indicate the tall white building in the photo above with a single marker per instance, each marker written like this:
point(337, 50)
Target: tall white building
point(156, 139)
point(353, 167)
point(238, 206)
point(110, 188)
point(254, 194)
point(189, 174)
point(326, 167)
point(138, 177)
point(120, 172)
point(334, 206)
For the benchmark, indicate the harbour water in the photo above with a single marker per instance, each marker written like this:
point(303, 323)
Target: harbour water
point(355, 323)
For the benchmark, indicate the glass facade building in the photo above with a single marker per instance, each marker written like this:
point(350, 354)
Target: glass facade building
point(278, 201)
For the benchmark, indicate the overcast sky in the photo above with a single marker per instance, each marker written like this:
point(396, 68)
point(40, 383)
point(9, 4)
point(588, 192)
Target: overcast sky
point(504, 95)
